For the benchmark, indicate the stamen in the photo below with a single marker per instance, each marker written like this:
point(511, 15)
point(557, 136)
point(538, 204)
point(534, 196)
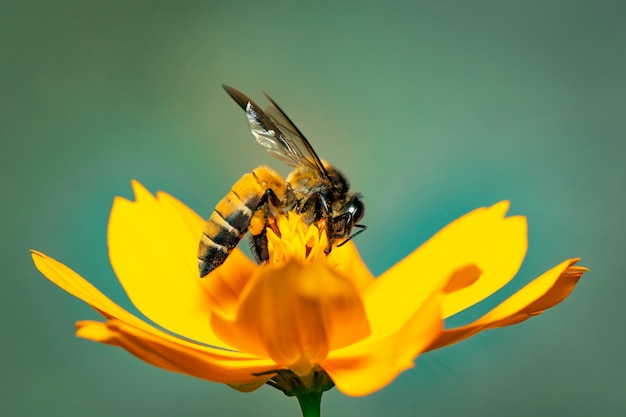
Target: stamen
point(290, 237)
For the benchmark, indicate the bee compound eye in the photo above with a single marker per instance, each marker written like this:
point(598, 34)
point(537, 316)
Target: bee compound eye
point(357, 209)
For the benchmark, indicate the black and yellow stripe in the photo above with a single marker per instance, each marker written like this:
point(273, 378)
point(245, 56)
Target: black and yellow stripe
point(232, 216)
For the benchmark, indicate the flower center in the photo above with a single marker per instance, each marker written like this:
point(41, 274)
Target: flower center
point(289, 237)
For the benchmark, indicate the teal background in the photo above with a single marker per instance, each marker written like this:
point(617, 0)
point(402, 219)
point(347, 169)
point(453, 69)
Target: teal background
point(431, 108)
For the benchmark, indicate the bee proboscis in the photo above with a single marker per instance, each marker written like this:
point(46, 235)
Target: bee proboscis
point(314, 189)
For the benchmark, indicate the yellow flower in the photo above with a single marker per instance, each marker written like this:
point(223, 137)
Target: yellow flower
point(303, 316)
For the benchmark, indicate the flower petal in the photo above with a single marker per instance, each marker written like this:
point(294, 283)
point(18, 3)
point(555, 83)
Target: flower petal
point(76, 285)
point(482, 240)
point(370, 365)
point(543, 292)
point(152, 247)
point(296, 314)
point(347, 261)
point(173, 354)
point(451, 271)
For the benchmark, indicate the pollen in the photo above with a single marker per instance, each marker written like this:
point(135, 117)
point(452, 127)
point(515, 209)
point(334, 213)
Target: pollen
point(291, 238)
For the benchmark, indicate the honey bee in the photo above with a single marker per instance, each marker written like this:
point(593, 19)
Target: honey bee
point(314, 189)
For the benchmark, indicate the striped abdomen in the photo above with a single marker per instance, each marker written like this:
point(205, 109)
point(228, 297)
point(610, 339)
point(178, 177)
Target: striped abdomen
point(231, 218)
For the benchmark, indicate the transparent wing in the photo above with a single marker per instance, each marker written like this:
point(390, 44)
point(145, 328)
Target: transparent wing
point(294, 134)
point(276, 133)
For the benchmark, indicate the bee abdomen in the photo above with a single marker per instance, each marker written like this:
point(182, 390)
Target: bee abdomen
point(231, 218)
point(210, 255)
point(223, 231)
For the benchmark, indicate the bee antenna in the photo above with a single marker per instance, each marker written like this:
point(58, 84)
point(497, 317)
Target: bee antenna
point(361, 227)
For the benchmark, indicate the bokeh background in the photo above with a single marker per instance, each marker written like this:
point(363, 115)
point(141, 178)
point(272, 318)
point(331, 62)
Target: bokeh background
point(431, 108)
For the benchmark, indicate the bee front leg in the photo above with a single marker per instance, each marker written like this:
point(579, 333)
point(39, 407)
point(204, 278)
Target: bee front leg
point(339, 225)
point(342, 226)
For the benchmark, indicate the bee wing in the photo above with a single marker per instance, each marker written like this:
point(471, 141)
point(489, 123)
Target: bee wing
point(295, 136)
point(274, 137)
point(276, 133)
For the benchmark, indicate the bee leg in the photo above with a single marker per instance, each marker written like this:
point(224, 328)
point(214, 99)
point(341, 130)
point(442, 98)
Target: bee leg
point(361, 228)
point(340, 224)
point(258, 247)
point(269, 197)
point(258, 224)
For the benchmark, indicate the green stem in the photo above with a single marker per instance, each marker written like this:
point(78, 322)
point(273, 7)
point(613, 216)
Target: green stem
point(310, 404)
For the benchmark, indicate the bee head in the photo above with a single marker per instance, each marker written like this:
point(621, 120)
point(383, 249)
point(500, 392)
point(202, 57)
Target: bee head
point(348, 217)
point(356, 208)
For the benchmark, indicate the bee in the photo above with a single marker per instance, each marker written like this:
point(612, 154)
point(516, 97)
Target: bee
point(314, 189)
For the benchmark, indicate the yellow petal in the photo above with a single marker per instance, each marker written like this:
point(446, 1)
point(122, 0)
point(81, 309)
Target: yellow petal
point(347, 261)
point(296, 314)
point(152, 247)
point(451, 271)
point(224, 285)
point(76, 285)
point(462, 277)
point(543, 292)
point(173, 354)
point(370, 365)
point(483, 239)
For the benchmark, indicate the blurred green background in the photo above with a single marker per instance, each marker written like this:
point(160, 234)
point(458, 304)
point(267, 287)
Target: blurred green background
point(431, 108)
